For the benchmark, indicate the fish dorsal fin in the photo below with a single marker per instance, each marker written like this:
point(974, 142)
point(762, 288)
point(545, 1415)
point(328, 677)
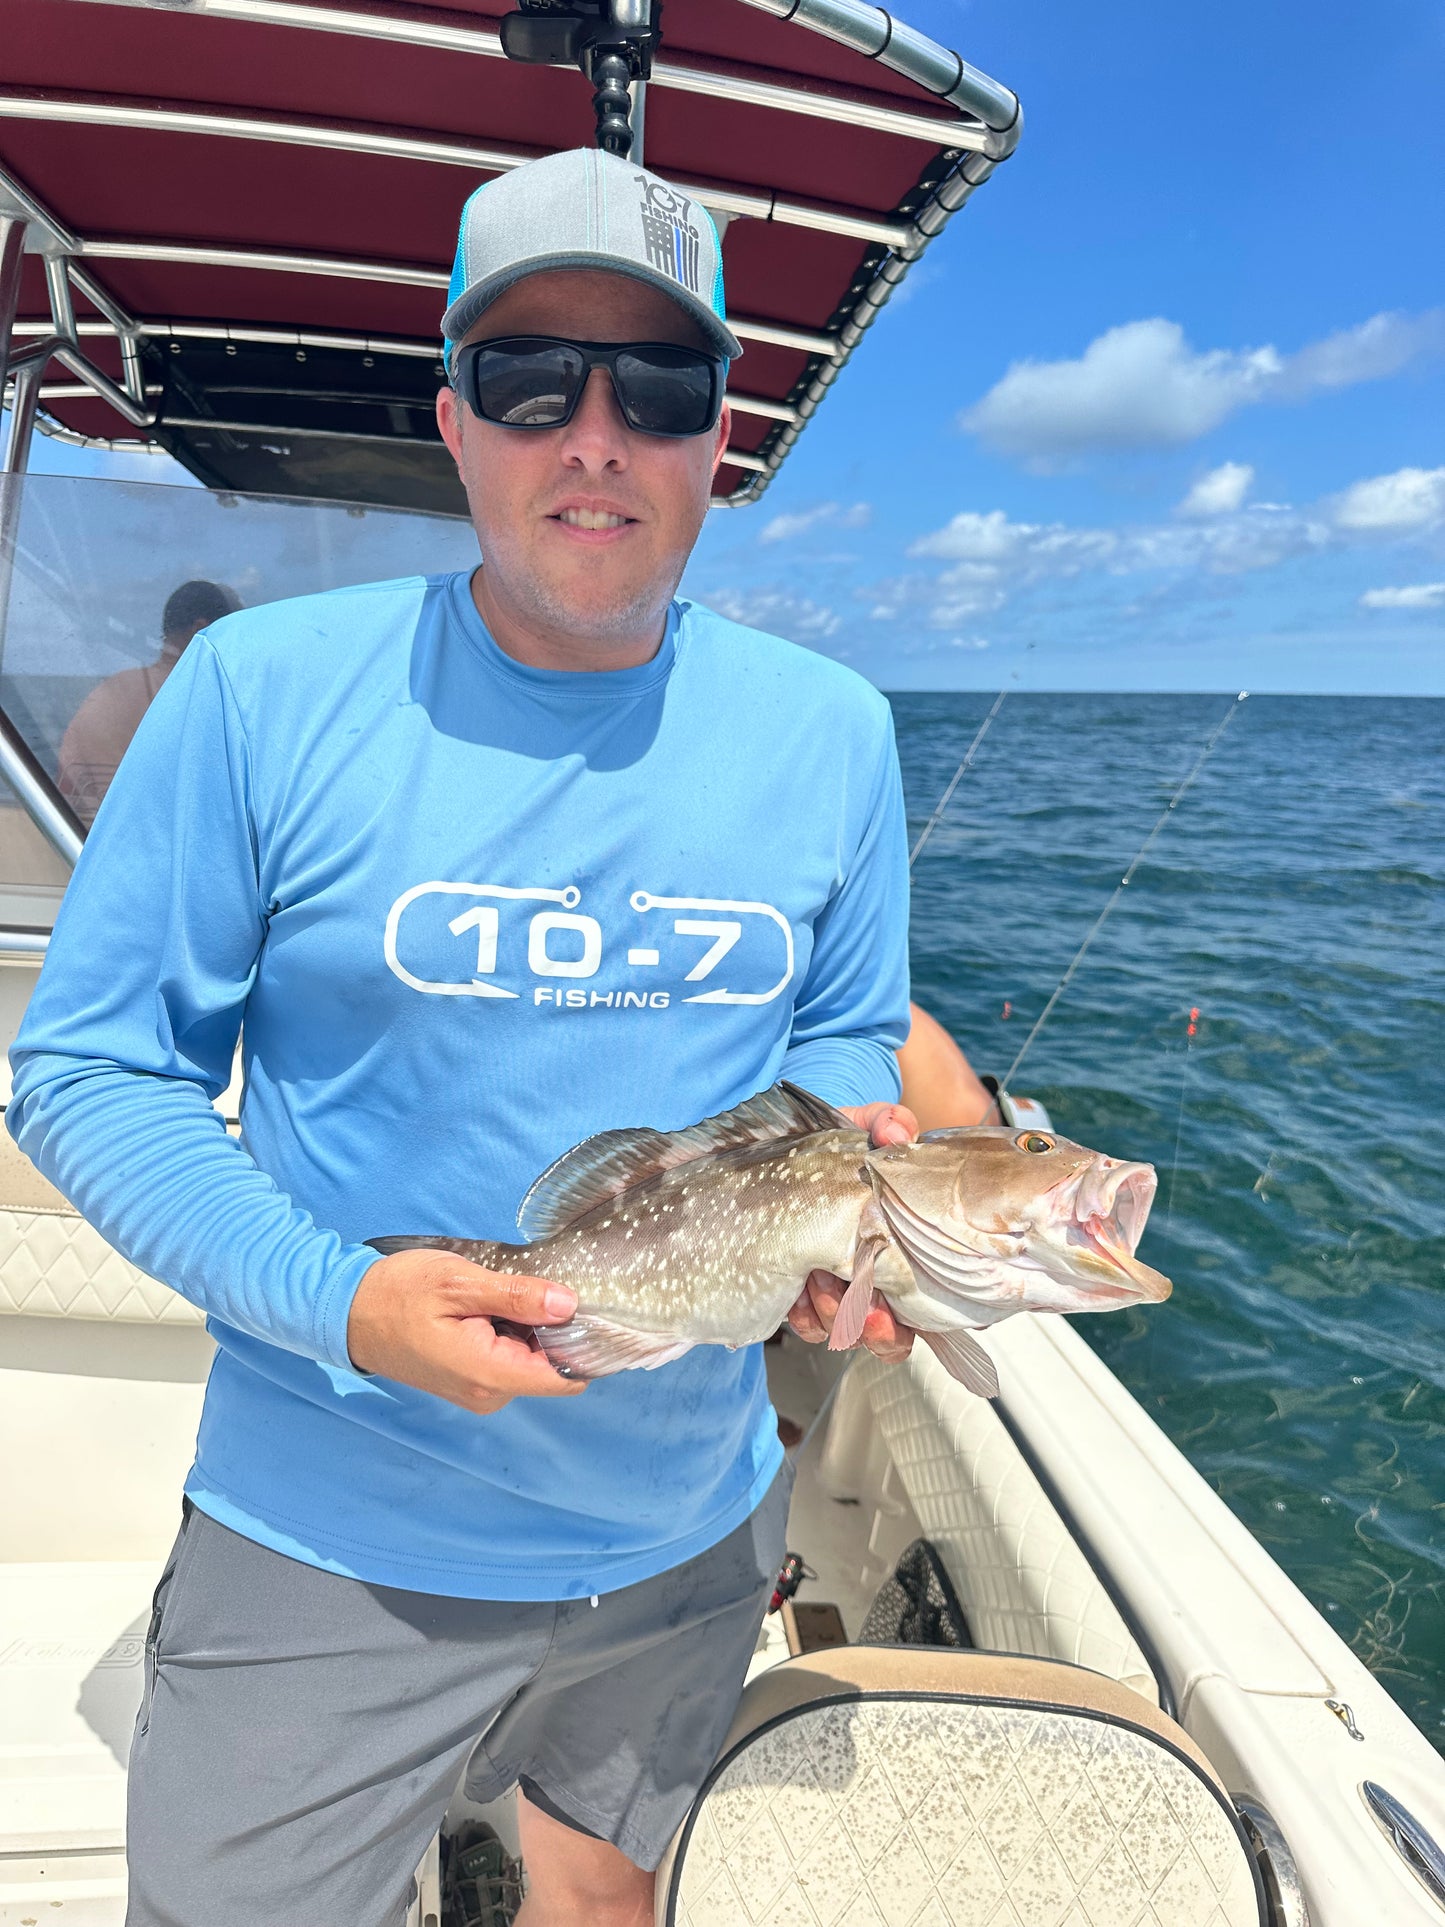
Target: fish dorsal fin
point(610, 1163)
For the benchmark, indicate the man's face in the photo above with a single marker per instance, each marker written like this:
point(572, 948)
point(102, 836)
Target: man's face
point(538, 496)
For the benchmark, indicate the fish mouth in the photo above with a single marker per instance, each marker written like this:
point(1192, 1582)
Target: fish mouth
point(1110, 1209)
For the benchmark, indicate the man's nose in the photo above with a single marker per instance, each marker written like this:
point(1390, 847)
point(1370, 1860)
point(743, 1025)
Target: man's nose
point(597, 436)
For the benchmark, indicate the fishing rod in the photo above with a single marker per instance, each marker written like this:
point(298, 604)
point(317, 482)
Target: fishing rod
point(942, 804)
point(1124, 882)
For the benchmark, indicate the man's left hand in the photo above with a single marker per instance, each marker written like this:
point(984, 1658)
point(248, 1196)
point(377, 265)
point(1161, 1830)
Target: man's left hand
point(812, 1316)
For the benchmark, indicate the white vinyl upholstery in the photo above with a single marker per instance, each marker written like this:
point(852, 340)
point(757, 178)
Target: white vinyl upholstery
point(1023, 1583)
point(913, 1788)
point(53, 1265)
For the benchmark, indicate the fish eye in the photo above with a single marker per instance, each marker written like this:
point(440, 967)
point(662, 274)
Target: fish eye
point(1034, 1141)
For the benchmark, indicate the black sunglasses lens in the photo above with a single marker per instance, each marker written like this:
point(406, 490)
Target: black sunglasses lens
point(526, 384)
point(667, 391)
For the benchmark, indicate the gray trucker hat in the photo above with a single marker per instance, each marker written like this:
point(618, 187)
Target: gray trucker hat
point(587, 209)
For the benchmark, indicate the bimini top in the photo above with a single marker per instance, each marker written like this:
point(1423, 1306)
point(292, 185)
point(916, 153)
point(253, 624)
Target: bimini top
point(238, 215)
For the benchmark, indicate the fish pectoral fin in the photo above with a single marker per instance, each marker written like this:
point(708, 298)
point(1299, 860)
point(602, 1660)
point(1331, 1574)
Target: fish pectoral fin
point(853, 1312)
point(590, 1347)
point(858, 1299)
point(964, 1359)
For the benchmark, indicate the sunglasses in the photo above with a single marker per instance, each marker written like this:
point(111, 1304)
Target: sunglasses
point(535, 381)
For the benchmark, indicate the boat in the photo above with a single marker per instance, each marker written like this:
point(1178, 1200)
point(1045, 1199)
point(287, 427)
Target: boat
point(224, 235)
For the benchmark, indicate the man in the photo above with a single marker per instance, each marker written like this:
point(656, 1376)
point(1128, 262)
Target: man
point(100, 730)
point(486, 865)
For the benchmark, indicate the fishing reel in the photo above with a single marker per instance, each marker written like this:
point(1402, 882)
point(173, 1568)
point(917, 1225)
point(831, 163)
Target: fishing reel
point(612, 41)
point(793, 1572)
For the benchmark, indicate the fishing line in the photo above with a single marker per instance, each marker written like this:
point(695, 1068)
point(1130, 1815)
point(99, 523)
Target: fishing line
point(937, 817)
point(822, 1412)
point(1179, 1124)
point(1124, 882)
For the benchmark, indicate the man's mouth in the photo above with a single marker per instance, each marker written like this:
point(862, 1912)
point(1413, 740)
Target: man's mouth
point(578, 518)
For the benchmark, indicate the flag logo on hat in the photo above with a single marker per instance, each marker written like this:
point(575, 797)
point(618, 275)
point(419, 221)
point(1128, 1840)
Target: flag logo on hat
point(582, 208)
point(672, 241)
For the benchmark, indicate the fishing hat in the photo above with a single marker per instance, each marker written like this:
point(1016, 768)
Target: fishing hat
point(588, 209)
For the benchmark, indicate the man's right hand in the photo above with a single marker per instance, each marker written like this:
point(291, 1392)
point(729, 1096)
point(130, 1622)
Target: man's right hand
point(425, 1318)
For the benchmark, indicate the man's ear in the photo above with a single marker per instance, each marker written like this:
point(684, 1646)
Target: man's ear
point(723, 432)
point(449, 421)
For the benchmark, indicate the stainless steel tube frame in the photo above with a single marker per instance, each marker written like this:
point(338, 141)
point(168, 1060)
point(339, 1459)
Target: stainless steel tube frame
point(42, 801)
point(397, 143)
point(12, 253)
point(708, 77)
point(23, 943)
point(873, 31)
point(945, 201)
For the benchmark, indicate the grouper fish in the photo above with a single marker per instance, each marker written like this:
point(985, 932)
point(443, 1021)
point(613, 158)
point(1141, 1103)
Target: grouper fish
point(705, 1236)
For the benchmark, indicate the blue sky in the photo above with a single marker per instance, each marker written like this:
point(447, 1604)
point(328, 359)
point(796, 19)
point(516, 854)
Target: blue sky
point(1165, 406)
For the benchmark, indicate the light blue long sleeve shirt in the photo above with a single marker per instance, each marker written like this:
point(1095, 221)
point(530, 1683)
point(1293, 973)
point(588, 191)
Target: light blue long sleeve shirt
point(462, 913)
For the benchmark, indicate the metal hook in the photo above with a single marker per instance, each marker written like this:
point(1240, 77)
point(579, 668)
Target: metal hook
point(1345, 1715)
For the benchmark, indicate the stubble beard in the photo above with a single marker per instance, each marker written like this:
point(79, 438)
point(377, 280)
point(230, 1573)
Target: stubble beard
point(585, 618)
point(634, 612)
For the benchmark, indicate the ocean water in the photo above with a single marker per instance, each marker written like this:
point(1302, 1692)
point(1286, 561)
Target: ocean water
point(1296, 900)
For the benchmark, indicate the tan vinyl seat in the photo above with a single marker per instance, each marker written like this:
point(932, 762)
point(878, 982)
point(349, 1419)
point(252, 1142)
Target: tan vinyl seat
point(920, 1788)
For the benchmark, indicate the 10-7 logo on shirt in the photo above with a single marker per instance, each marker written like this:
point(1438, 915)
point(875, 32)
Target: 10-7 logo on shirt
point(493, 940)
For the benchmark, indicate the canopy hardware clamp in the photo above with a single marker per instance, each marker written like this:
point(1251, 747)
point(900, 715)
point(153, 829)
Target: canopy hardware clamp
point(611, 41)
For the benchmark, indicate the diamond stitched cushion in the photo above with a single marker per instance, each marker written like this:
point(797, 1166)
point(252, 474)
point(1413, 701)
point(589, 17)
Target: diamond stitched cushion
point(930, 1808)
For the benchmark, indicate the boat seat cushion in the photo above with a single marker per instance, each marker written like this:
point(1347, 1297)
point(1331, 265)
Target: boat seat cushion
point(929, 1788)
point(53, 1265)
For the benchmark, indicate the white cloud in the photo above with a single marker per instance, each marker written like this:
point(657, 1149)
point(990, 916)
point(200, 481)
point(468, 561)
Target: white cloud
point(1258, 537)
point(958, 602)
point(1384, 345)
point(1220, 492)
point(1137, 386)
point(983, 545)
point(991, 555)
point(987, 557)
point(1405, 503)
point(779, 611)
point(783, 528)
point(1142, 385)
point(1412, 595)
point(975, 538)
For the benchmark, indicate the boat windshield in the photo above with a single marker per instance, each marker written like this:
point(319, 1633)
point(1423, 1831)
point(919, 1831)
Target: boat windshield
point(110, 580)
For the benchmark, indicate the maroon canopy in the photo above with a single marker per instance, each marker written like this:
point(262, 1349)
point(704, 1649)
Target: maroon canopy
point(269, 191)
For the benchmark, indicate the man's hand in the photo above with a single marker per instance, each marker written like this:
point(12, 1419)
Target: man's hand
point(884, 1123)
point(812, 1316)
point(426, 1318)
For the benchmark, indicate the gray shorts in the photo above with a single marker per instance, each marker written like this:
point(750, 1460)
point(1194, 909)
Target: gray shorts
point(301, 1734)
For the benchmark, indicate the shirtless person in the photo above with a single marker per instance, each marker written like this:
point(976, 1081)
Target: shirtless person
point(100, 730)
